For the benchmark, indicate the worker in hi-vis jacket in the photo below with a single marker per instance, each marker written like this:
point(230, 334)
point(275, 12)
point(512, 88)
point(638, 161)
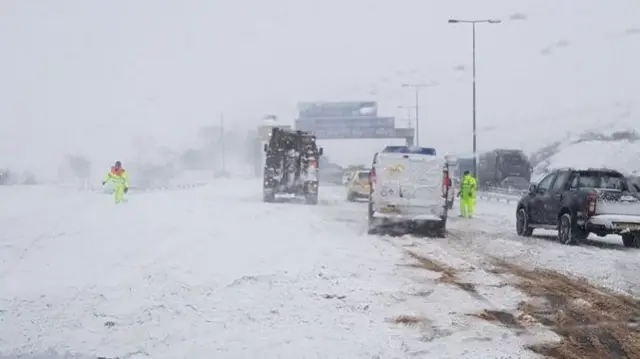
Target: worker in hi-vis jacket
point(118, 177)
point(467, 194)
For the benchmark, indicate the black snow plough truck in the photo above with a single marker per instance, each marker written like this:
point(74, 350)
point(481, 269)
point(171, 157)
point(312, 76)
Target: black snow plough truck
point(291, 165)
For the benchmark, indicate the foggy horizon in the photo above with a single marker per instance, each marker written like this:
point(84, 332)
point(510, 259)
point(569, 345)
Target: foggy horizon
point(110, 80)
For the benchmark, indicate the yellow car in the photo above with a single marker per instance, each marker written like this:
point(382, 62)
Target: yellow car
point(358, 185)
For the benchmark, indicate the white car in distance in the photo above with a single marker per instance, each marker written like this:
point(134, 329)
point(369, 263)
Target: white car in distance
point(358, 185)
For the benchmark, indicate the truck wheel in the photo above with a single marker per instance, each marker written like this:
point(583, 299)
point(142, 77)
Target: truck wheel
point(631, 240)
point(311, 199)
point(268, 197)
point(522, 223)
point(566, 230)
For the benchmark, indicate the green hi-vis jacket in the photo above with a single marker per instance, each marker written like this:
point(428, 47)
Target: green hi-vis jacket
point(117, 177)
point(468, 187)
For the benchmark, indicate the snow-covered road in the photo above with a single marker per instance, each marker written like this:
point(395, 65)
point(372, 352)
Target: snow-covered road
point(212, 272)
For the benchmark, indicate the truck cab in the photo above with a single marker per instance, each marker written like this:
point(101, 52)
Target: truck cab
point(497, 165)
point(291, 165)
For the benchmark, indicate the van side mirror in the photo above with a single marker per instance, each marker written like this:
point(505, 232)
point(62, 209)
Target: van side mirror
point(320, 151)
point(533, 188)
point(265, 147)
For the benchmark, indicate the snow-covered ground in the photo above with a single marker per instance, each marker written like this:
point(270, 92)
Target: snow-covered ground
point(214, 272)
point(601, 260)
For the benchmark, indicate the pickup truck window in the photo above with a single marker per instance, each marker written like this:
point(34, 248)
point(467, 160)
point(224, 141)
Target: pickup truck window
point(545, 184)
point(561, 181)
point(599, 180)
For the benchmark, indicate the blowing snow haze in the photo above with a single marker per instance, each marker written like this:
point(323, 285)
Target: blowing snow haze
point(94, 77)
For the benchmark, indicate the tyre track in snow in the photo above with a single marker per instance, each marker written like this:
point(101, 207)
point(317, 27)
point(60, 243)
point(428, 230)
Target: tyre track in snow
point(601, 261)
point(591, 321)
point(445, 290)
point(561, 315)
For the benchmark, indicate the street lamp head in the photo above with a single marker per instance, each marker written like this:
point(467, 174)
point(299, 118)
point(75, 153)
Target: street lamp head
point(453, 21)
point(494, 21)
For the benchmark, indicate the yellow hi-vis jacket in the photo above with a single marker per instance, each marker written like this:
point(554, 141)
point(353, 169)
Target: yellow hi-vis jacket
point(468, 187)
point(117, 177)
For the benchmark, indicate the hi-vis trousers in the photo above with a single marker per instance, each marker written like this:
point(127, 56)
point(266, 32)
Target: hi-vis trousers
point(118, 192)
point(467, 206)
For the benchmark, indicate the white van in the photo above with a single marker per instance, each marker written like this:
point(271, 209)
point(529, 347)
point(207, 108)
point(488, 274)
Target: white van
point(409, 187)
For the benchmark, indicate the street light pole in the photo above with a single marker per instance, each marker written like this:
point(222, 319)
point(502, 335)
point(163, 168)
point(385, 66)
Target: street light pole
point(473, 34)
point(409, 109)
point(222, 154)
point(417, 88)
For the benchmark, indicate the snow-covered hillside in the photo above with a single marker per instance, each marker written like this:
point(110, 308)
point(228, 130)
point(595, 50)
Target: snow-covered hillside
point(622, 155)
point(565, 127)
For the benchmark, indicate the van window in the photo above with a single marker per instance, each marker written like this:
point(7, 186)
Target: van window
point(406, 149)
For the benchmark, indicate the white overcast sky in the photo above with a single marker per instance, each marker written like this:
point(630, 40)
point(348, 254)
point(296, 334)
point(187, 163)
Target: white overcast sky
point(101, 77)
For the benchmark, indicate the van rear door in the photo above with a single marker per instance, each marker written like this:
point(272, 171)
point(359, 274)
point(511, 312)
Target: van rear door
point(410, 182)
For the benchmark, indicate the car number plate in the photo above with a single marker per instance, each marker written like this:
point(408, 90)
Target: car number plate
point(389, 209)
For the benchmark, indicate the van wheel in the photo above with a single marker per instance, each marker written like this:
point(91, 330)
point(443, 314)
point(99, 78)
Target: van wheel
point(631, 240)
point(566, 230)
point(523, 228)
point(440, 229)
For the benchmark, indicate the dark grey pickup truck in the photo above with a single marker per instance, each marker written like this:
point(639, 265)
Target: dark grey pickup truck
point(576, 202)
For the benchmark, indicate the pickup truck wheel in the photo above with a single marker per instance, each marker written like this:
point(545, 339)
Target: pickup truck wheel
point(522, 223)
point(580, 234)
point(631, 240)
point(566, 233)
